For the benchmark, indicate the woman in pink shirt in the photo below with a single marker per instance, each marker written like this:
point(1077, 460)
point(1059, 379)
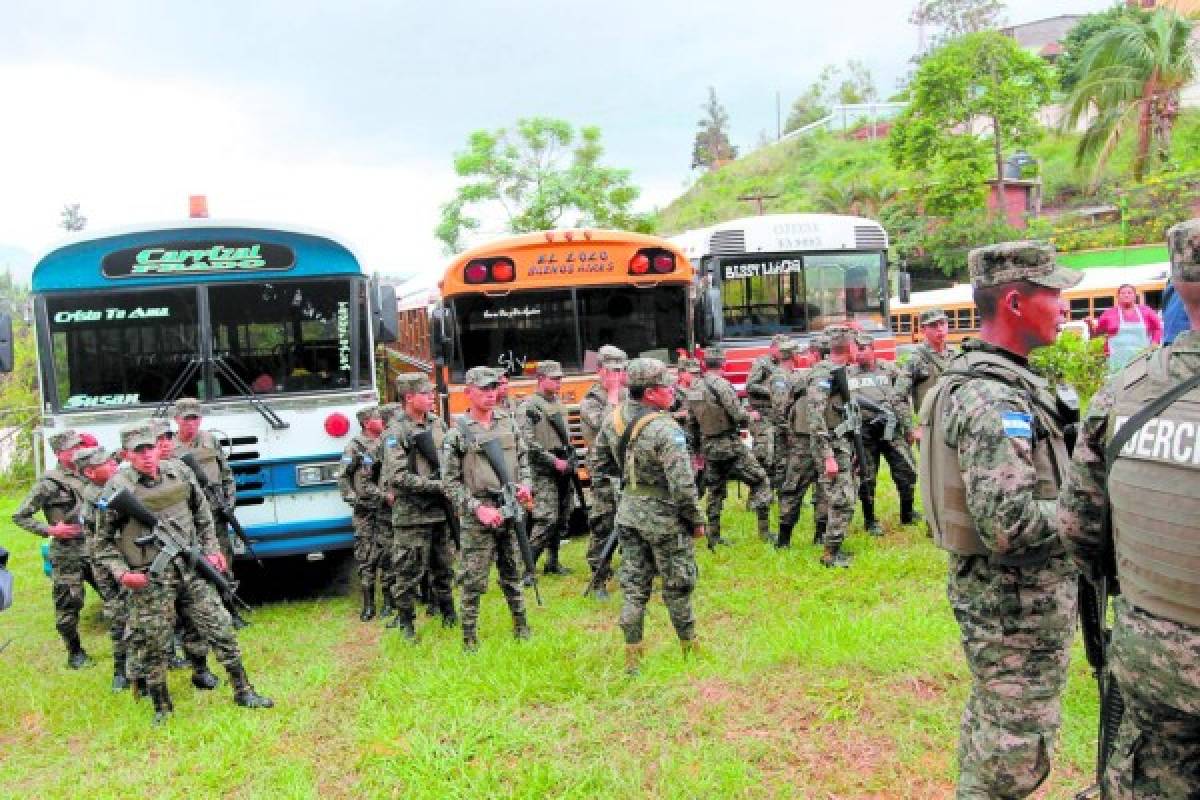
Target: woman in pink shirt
point(1131, 327)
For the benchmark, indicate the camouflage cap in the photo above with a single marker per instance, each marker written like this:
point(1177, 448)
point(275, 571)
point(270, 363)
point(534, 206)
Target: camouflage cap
point(483, 377)
point(931, 315)
point(612, 356)
point(91, 457)
point(367, 413)
point(64, 440)
point(645, 372)
point(548, 369)
point(689, 364)
point(160, 426)
point(787, 347)
point(137, 434)
point(1183, 243)
point(187, 407)
point(1009, 262)
point(412, 383)
point(864, 339)
point(714, 355)
point(840, 335)
point(388, 410)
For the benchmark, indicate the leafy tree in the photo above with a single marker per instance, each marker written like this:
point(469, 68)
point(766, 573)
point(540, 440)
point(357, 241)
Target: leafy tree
point(951, 19)
point(1130, 77)
point(1077, 41)
point(19, 403)
point(535, 175)
point(867, 198)
point(72, 219)
point(844, 85)
point(712, 146)
point(980, 78)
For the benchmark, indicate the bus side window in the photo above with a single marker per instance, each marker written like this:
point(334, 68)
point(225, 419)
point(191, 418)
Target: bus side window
point(1081, 308)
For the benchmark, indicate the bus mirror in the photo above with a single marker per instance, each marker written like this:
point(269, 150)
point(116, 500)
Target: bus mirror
point(6, 343)
point(441, 337)
point(904, 286)
point(386, 313)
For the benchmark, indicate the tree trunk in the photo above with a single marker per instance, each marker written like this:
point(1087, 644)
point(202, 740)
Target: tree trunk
point(1145, 125)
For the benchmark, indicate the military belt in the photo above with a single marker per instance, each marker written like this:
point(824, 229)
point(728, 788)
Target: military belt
point(641, 490)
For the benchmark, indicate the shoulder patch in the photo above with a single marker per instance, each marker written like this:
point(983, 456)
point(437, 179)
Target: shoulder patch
point(391, 442)
point(347, 459)
point(1017, 424)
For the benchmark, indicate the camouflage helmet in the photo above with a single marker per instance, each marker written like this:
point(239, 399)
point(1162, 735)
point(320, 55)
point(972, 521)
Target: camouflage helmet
point(714, 356)
point(1010, 262)
point(187, 407)
point(138, 434)
point(646, 372)
point(92, 457)
point(483, 377)
point(548, 369)
point(788, 347)
point(413, 383)
point(1183, 243)
point(366, 413)
point(612, 357)
point(930, 316)
point(64, 440)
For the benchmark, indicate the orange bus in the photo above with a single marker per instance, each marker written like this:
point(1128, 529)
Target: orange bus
point(555, 295)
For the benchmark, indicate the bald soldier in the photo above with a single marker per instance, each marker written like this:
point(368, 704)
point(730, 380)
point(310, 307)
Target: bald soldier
point(1146, 484)
point(992, 461)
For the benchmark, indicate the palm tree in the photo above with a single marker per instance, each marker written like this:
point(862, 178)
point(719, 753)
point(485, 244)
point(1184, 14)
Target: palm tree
point(1130, 78)
point(863, 198)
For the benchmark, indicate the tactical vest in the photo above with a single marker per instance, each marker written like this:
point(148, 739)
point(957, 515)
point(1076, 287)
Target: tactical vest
point(780, 393)
point(798, 412)
point(762, 402)
point(67, 503)
point(480, 479)
point(710, 415)
point(419, 464)
point(207, 452)
point(168, 499)
point(933, 365)
point(589, 433)
point(943, 492)
point(543, 432)
point(1153, 497)
point(646, 487)
point(366, 472)
point(834, 415)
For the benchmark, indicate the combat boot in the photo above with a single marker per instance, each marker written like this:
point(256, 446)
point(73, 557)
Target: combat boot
point(870, 524)
point(386, 609)
point(784, 540)
point(243, 693)
point(553, 567)
point(202, 677)
point(404, 623)
point(521, 628)
point(163, 707)
point(689, 647)
point(120, 681)
point(470, 641)
point(633, 658)
point(908, 516)
point(834, 557)
point(77, 657)
point(819, 530)
point(368, 607)
point(239, 621)
point(449, 615)
point(601, 592)
point(175, 659)
point(764, 527)
point(140, 689)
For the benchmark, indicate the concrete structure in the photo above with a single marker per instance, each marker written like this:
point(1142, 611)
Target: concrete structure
point(1043, 37)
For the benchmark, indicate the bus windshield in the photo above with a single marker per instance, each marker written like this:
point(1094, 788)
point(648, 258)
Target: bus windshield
point(794, 293)
point(517, 330)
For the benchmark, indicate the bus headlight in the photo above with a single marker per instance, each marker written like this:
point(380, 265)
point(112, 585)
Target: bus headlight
point(317, 474)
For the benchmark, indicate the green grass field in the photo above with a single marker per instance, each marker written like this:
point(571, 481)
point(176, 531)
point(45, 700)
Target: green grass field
point(811, 683)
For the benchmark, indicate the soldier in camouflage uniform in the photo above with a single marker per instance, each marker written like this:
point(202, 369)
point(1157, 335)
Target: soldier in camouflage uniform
point(689, 372)
point(359, 486)
point(885, 435)
point(548, 464)
point(422, 543)
point(832, 445)
point(473, 487)
point(98, 467)
point(659, 514)
point(791, 413)
point(58, 495)
point(928, 361)
point(601, 398)
point(718, 412)
point(992, 461)
point(1150, 491)
point(211, 457)
point(763, 372)
point(171, 492)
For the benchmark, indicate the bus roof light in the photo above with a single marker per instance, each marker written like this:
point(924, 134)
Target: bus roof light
point(569, 236)
point(639, 264)
point(664, 262)
point(549, 236)
point(503, 270)
point(476, 272)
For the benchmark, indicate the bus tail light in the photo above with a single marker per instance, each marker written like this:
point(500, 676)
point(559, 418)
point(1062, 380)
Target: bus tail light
point(652, 260)
point(664, 262)
point(639, 264)
point(490, 270)
point(337, 425)
point(503, 270)
point(476, 272)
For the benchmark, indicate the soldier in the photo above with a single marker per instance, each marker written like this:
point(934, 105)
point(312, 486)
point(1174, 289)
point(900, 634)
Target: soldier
point(359, 486)
point(689, 372)
point(58, 494)
point(207, 450)
point(505, 403)
point(548, 464)
point(832, 445)
point(799, 469)
point(98, 468)
point(885, 434)
point(171, 492)
point(763, 373)
point(1147, 488)
point(718, 412)
point(473, 486)
point(928, 361)
point(992, 461)
point(658, 515)
point(422, 543)
point(602, 397)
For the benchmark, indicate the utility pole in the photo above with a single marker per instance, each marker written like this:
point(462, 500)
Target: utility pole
point(757, 199)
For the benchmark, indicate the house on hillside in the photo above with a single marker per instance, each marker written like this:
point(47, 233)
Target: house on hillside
point(1044, 37)
point(1182, 6)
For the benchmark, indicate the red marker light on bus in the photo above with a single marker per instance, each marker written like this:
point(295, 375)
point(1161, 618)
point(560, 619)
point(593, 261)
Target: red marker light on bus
point(503, 270)
point(337, 424)
point(639, 264)
point(664, 262)
point(569, 236)
point(476, 272)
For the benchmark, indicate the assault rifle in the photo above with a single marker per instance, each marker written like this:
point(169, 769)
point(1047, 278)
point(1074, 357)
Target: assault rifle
point(222, 511)
point(883, 415)
point(851, 414)
point(512, 510)
point(578, 523)
point(173, 542)
point(423, 442)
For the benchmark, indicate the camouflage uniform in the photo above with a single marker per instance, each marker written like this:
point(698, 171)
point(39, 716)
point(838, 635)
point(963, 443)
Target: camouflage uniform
point(924, 365)
point(1155, 654)
point(1011, 587)
point(593, 410)
point(552, 490)
point(470, 483)
point(763, 372)
point(422, 546)
point(58, 494)
point(359, 487)
point(658, 511)
point(211, 457)
point(725, 457)
point(176, 495)
point(877, 385)
point(799, 469)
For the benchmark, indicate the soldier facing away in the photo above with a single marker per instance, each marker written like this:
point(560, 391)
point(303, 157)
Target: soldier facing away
point(543, 422)
point(886, 434)
point(1148, 489)
point(658, 515)
point(993, 458)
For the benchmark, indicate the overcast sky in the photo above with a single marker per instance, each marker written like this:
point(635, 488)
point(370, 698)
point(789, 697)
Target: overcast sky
point(346, 115)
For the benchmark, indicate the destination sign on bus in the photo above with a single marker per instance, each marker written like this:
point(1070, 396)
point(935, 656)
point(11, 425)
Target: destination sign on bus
point(570, 263)
point(197, 258)
point(755, 269)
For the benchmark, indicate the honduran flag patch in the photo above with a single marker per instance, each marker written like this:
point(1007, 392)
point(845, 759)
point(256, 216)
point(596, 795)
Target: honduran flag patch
point(1017, 424)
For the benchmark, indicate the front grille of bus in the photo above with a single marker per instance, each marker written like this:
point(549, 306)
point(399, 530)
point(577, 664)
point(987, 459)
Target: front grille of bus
point(248, 477)
point(727, 243)
point(869, 237)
